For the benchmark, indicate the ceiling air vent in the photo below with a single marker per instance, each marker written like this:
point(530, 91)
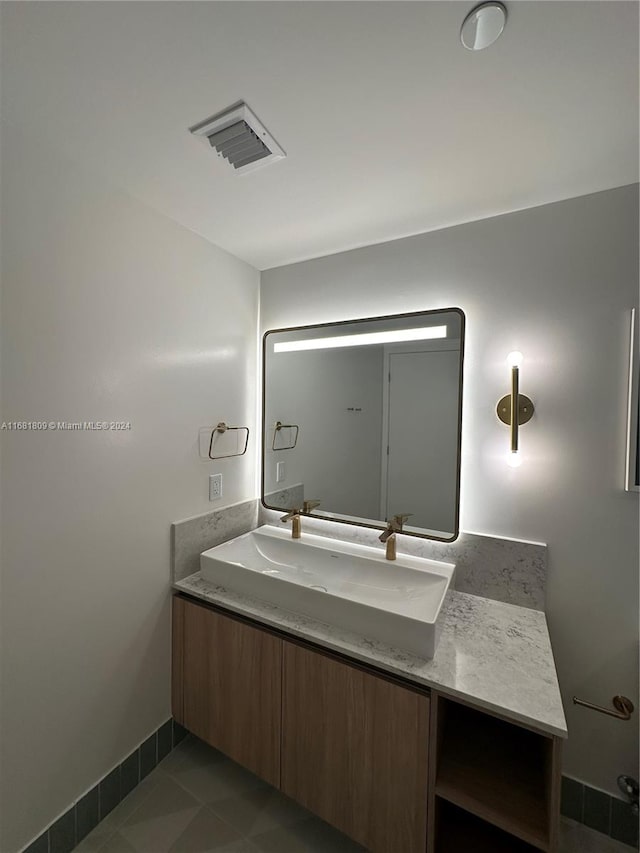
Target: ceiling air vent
point(238, 136)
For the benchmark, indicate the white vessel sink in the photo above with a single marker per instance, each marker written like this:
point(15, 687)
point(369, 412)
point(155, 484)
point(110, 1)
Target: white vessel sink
point(350, 586)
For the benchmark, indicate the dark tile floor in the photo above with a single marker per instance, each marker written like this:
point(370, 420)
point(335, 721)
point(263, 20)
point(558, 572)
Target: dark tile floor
point(197, 801)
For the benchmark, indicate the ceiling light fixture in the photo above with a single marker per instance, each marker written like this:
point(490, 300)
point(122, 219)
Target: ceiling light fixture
point(483, 25)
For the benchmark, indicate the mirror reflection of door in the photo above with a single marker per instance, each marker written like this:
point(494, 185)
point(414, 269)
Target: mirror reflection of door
point(421, 415)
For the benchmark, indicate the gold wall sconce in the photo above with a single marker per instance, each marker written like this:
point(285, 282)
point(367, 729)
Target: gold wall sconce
point(515, 409)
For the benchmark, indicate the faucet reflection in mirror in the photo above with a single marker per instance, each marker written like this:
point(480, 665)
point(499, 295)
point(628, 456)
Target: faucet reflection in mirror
point(515, 409)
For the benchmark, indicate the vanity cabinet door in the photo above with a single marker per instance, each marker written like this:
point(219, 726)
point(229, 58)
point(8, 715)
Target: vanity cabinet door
point(355, 750)
point(231, 687)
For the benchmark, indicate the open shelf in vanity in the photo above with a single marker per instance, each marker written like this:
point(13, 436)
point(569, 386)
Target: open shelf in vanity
point(458, 830)
point(493, 781)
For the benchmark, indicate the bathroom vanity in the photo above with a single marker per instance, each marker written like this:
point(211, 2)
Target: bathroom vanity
point(402, 754)
point(412, 717)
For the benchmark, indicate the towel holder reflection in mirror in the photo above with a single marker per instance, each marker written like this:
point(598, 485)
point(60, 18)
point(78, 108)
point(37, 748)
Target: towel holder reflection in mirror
point(280, 426)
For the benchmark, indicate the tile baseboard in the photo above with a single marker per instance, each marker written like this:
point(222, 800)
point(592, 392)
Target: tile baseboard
point(76, 823)
point(599, 810)
point(594, 808)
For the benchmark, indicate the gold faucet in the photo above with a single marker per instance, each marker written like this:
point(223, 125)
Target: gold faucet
point(388, 536)
point(294, 517)
point(309, 505)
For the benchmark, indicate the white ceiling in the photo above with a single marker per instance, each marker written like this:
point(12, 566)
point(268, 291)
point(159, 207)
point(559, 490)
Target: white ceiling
point(391, 127)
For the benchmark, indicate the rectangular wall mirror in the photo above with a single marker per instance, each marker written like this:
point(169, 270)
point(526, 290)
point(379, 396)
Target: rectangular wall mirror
point(364, 417)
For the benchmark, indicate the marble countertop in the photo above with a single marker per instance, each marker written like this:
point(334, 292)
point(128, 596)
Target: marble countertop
point(497, 656)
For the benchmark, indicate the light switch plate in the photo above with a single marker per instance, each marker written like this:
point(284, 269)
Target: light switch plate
point(279, 472)
point(215, 486)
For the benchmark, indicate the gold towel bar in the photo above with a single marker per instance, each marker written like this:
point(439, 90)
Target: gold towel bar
point(624, 707)
point(222, 428)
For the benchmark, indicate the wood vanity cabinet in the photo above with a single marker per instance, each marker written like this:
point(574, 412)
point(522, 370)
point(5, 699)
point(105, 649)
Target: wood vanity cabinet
point(227, 686)
point(395, 767)
point(355, 750)
point(347, 744)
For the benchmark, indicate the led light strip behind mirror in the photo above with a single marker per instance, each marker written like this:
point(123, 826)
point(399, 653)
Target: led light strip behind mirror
point(363, 339)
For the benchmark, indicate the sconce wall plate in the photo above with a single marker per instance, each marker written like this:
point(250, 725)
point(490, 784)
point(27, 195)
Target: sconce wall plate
point(525, 409)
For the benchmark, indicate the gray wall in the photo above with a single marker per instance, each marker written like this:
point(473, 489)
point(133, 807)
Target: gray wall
point(337, 456)
point(557, 283)
point(110, 312)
